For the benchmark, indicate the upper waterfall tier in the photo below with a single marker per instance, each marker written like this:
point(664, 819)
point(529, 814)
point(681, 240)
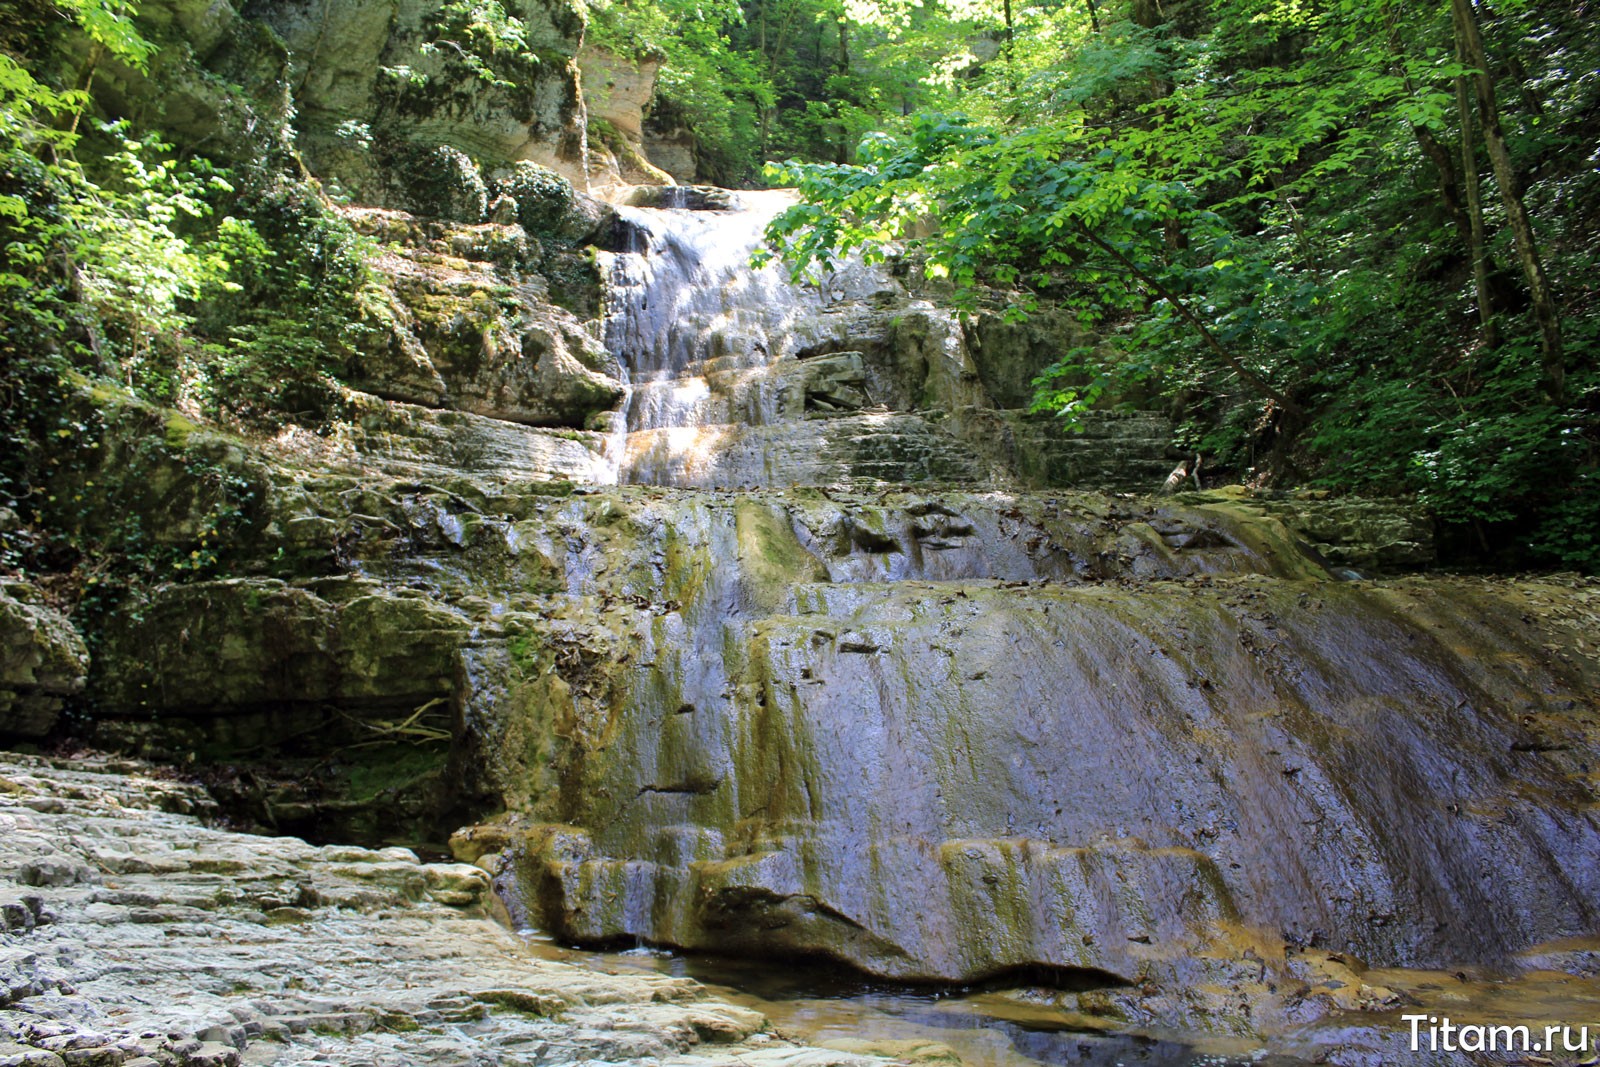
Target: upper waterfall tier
point(683, 293)
point(738, 376)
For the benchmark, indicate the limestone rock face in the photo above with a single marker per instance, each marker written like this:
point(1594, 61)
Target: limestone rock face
point(618, 90)
point(1010, 355)
point(1115, 737)
point(672, 148)
point(259, 643)
point(477, 324)
point(1086, 777)
point(617, 94)
point(204, 23)
point(43, 662)
point(380, 82)
point(158, 939)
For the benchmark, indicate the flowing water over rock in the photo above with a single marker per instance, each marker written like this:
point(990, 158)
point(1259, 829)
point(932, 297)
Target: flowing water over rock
point(740, 378)
point(938, 737)
point(895, 697)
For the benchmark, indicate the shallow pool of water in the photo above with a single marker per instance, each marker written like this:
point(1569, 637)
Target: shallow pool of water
point(983, 1028)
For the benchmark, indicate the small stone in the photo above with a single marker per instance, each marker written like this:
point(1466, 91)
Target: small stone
point(19, 912)
point(223, 1035)
point(106, 914)
point(56, 870)
point(13, 1055)
point(212, 1054)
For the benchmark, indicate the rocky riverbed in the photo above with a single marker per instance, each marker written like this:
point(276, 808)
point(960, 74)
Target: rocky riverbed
point(136, 935)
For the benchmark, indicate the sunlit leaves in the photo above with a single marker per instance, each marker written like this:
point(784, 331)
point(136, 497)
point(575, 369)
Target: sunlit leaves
point(490, 42)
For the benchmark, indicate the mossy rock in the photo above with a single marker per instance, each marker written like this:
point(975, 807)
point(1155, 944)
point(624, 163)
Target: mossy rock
point(43, 662)
point(242, 646)
point(439, 181)
point(548, 205)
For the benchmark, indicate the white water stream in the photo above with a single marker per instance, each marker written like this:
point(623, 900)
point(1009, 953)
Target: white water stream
point(701, 335)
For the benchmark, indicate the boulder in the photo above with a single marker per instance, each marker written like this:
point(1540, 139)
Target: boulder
point(547, 205)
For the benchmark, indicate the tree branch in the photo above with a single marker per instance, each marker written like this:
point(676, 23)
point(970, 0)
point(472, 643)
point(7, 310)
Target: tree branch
point(1249, 377)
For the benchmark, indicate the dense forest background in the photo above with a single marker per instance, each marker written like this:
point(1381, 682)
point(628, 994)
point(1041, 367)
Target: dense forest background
point(1349, 243)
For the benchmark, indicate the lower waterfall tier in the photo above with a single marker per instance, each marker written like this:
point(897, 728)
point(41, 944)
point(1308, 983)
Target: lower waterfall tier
point(952, 782)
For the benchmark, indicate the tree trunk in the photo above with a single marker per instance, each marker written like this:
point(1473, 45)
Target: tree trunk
point(1438, 155)
point(1449, 195)
point(1469, 181)
point(1544, 306)
point(1094, 16)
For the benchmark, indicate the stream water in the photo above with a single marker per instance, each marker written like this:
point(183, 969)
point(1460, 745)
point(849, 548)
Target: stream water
point(1018, 1027)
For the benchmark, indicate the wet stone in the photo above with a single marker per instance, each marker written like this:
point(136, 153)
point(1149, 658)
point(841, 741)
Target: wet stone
point(389, 960)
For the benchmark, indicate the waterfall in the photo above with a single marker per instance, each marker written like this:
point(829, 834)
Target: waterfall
point(706, 341)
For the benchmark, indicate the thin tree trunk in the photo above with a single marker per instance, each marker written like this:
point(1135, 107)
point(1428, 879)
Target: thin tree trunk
point(1469, 181)
point(842, 153)
point(1553, 359)
point(1094, 16)
point(1437, 154)
point(1010, 40)
point(1449, 194)
point(781, 40)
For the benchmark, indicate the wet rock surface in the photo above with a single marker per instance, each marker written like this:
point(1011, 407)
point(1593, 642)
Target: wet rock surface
point(756, 719)
point(987, 752)
point(740, 378)
point(132, 935)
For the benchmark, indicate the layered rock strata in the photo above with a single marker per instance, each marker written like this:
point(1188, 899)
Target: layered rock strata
point(132, 935)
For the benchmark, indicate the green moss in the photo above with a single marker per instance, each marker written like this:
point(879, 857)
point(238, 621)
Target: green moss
point(527, 653)
point(398, 1022)
point(179, 430)
point(383, 769)
point(771, 558)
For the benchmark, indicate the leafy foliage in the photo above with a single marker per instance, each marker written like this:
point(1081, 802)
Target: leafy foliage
point(228, 296)
point(483, 36)
point(1260, 213)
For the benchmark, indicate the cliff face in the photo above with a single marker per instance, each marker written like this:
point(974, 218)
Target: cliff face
point(403, 75)
point(395, 103)
point(936, 733)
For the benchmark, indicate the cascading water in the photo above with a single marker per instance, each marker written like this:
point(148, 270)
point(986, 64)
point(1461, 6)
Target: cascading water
point(683, 293)
point(708, 343)
point(695, 329)
point(959, 734)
